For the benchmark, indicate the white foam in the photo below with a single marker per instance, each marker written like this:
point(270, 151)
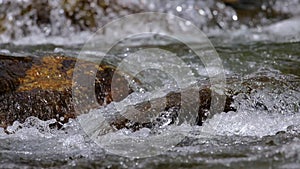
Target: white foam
point(246, 123)
point(67, 40)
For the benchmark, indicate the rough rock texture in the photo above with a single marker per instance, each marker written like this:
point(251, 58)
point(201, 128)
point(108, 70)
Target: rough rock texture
point(42, 87)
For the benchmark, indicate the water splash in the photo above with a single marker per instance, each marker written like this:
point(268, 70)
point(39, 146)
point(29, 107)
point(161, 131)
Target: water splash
point(39, 22)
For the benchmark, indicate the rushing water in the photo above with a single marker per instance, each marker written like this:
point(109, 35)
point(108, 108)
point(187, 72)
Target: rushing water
point(257, 135)
point(264, 132)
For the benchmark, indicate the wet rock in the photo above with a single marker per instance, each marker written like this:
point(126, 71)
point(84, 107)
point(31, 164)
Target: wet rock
point(44, 104)
point(174, 111)
point(10, 70)
point(42, 87)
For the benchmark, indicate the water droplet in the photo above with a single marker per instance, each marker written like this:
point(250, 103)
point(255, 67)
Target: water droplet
point(201, 12)
point(58, 50)
point(215, 12)
point(178, 8)
point(188, 23)
point(234, 17)
point(61, 118)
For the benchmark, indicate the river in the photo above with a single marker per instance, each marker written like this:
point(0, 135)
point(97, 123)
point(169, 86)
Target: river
point(260, 64)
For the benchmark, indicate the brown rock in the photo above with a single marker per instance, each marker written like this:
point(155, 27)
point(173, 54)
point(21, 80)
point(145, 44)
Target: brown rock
point(42, 87)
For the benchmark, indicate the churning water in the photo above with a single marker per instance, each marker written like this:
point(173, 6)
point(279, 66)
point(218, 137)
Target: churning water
point(262, 68)
point(264, 131)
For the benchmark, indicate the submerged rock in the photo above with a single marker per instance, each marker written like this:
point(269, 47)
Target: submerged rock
point(169, 109)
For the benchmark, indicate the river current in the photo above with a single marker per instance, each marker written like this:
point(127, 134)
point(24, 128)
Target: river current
point(263, 132)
